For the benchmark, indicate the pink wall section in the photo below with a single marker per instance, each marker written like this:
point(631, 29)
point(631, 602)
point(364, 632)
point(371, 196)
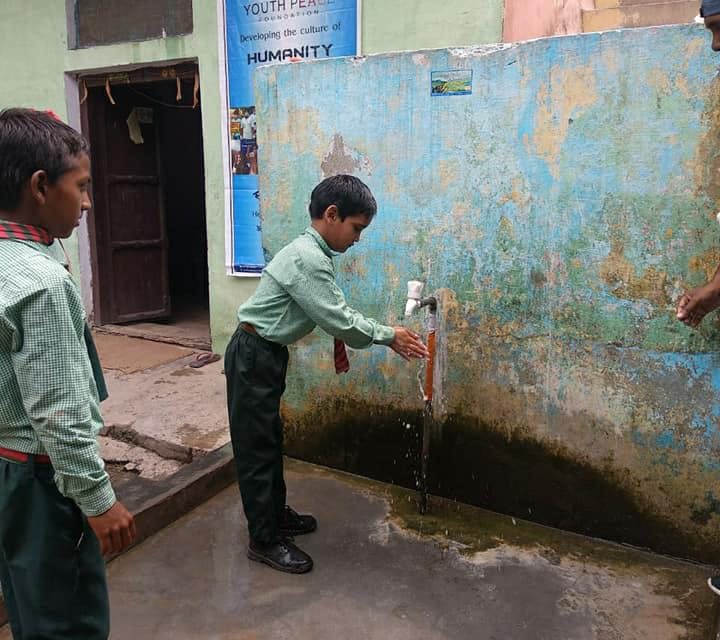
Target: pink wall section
point(528, 19)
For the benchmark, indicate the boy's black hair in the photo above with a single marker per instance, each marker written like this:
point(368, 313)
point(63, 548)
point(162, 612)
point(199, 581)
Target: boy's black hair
point(349, 194)
point(31, 141)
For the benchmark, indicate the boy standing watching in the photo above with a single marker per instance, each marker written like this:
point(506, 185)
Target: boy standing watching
point(58, 511)
point(297, 292)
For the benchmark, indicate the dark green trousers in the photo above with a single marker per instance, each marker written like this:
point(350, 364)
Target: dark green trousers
point(255, 370)
point(51, 566)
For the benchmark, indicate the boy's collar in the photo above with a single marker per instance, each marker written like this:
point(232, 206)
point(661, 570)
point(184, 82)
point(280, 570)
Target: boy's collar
point(321, 241)
point(18, 231)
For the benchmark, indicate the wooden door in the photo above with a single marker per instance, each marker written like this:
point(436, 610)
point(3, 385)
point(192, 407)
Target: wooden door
point(131, 247)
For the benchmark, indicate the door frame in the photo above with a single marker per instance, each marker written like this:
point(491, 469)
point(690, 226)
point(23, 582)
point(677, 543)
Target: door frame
point(78, 117)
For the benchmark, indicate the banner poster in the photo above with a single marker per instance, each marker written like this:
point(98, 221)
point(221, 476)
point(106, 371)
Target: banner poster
point(259, 33)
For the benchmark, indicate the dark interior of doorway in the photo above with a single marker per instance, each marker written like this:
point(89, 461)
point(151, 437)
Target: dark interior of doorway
point(180, 151)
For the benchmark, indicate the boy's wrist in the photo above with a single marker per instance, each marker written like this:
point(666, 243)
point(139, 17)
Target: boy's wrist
point(384, 335)
point(98, 500)
point(714, 286)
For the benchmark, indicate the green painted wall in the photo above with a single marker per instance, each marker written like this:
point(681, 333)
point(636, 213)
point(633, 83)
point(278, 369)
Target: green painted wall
point(33, 75)
point(404, 25)
point(34, 59)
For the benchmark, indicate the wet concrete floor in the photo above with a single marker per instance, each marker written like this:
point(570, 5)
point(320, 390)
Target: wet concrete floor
point(468, 575)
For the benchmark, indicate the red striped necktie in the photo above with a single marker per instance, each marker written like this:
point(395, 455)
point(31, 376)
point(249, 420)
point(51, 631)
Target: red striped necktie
point(342, 364)
point(17, 231)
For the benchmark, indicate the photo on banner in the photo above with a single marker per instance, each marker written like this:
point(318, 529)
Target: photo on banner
point(260, 33)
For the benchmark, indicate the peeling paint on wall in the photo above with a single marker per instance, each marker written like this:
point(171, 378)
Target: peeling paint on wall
point(568, 94)
point(561, 208)
point(341, 159)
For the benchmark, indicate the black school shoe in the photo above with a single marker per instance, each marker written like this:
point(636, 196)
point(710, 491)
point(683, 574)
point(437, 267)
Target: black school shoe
point(282, 555)
point(293, 524)
point(714, 584)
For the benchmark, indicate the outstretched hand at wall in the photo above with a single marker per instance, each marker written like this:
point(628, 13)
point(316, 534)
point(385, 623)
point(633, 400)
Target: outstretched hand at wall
point(696, 304)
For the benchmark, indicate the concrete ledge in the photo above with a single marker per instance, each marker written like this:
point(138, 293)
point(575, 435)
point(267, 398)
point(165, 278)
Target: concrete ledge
point(160, 504)
point(175, 496)
point(156, 335)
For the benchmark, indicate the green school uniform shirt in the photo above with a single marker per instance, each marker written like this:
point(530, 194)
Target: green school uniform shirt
point(48, 397)
point(58, 252)
point(297, 292)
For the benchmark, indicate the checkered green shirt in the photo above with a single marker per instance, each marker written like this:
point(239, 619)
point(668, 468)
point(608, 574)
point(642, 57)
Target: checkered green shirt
point(48, 397)
point(298, 292)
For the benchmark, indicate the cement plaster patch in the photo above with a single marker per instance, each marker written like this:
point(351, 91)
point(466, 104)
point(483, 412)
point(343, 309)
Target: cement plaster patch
point(175, 410)
point(135, 459)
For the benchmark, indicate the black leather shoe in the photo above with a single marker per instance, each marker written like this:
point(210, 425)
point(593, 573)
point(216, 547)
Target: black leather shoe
point(282, 555)
point(293, 524)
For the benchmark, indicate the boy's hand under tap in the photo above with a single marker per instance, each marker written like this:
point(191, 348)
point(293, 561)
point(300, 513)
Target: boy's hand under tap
point(408, 345)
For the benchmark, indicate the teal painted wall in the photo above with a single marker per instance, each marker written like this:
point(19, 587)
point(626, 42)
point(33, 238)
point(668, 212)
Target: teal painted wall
point(559, 210)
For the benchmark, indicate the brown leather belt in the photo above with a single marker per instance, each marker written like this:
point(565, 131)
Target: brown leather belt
point(248, 328)
point(19, 456)
point(245, 326)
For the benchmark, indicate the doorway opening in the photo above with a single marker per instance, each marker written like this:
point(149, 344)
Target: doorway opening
point(148, 234)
